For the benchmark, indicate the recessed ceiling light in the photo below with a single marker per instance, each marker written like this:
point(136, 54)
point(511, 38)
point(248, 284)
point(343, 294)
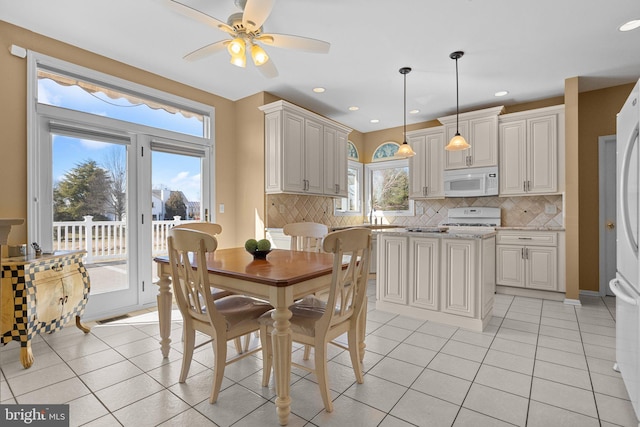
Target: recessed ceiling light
point(318, 89)
point(414, 111)
point(631, 25)
point(374, 121)
point(354, 108)
point(501, 93)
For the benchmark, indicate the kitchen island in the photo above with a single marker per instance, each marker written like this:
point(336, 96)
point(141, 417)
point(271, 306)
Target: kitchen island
point(444, 276)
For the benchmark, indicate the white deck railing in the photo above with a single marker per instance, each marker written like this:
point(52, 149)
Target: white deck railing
point(106, 239)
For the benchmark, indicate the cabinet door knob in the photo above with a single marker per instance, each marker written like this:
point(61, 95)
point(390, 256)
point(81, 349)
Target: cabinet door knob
point(610, 225)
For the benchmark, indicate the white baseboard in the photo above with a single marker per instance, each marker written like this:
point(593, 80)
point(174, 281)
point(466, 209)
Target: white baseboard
point(530, 293)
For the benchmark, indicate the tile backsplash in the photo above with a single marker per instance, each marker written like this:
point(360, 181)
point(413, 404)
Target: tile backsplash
point(527, 211)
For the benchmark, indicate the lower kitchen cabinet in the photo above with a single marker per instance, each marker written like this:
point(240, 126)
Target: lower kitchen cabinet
point(530, 259)
point(424, 273)
point(391, 276)
point(458, 265)
point(445, 279)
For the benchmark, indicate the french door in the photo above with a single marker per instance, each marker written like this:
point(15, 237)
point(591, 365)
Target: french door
point(111, 193)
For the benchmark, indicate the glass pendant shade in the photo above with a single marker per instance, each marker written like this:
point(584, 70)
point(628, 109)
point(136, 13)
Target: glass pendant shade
point(236, 47)
point(239, 60)
point(457, 143)
point(258, 55)
point(405, 151)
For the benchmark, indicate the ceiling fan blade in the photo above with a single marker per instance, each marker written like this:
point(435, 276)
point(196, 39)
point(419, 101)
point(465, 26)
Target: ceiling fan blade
point(295, 42)
point(268, 69)
point(199, 16)
point(256, 12)
point(207, 50)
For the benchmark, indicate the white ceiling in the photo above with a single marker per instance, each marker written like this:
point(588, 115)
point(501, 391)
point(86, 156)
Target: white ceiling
point(524, 46)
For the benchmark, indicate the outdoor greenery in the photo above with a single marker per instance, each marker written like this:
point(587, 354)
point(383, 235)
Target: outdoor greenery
point(85, 190)
point(99, 190)
point(390, 189)
point(175, 206)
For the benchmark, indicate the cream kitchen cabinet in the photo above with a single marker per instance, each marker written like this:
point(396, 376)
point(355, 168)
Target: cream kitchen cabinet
point(530, 259)
point(532, 152)
point(442, 277)
point(391, 275)
point(424, 273)
point(426, 167)
point(480, 129)
point(297, 159)
point(335, 162)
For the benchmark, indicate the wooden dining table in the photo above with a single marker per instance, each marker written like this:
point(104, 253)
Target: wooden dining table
point(283, 277)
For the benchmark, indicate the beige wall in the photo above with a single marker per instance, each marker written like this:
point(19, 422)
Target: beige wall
point(597, 117)
point(13, 122)
point(572, 186)
point(248, 177)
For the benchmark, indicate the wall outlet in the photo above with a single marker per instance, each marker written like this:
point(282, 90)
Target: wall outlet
point(221, 208)
point(550, 209)
point(420, 210)
point(281, 209)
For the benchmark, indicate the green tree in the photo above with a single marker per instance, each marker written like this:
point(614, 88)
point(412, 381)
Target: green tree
point(391, 189)
point(175, 206)
point(84, 190)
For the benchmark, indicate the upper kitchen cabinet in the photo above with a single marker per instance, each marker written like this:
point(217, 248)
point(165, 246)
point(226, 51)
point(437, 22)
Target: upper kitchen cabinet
point(304, 152)
point(335, 162)
point(426, 167)
point(480, 129)
point(532, 152)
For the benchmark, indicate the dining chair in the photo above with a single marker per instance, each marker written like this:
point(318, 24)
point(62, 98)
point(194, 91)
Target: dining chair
point(214, 229)
point(317, 323)
point(222, 319)
point(306, 236)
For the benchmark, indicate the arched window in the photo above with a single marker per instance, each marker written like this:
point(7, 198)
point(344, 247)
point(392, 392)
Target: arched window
point(352, 151)
point(385, 151)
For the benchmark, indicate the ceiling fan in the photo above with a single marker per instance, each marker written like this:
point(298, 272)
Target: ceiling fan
point(245, 32)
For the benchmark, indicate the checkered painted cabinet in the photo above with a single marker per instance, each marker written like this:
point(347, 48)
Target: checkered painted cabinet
point(41, 294)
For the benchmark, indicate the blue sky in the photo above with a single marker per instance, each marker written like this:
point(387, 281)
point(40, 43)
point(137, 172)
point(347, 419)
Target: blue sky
point(168, 170)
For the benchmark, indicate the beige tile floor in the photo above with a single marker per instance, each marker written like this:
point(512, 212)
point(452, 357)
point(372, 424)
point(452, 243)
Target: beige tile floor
point(540, 363)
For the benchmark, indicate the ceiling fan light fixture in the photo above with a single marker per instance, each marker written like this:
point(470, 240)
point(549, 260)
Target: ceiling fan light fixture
point(239, 60)
point(236, 47)
point(457, 143)
point(258, 55)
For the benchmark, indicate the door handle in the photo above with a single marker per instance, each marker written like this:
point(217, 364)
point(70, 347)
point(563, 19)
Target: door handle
point(610, 225)
point(616, 287)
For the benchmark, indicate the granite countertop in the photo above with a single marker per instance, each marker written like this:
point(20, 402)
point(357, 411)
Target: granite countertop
point(462, 234)
point(530, 228)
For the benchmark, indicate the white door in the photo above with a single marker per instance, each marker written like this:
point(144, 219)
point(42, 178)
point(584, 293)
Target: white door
point(87, 202)
point(608, 226)
point(180, 191)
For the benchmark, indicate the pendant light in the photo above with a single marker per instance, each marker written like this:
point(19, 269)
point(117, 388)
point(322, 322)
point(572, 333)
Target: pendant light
point(405, 149)
point(458, 142)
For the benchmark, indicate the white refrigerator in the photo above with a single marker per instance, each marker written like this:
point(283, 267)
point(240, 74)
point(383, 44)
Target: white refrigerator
point(626, 285)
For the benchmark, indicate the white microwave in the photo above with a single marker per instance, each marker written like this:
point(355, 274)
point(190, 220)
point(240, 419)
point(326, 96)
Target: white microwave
point(471, 182)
